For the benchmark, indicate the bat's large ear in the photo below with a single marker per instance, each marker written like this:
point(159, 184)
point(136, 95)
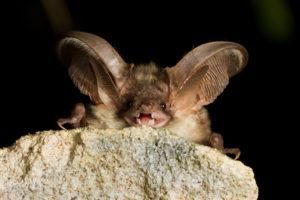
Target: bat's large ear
point(94, 66)
point(200, 76)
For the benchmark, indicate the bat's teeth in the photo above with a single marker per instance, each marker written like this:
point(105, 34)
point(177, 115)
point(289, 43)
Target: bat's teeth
point(138, 121)
point(151, 122)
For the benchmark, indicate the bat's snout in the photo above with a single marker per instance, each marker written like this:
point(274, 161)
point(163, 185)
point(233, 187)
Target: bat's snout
point(152, 119)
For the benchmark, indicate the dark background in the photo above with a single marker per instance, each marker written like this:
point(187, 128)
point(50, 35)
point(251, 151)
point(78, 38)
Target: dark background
point(253, 113)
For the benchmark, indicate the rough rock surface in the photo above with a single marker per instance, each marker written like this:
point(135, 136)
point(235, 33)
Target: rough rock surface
point(134, 163)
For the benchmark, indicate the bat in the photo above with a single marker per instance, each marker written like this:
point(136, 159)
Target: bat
point(124, 94)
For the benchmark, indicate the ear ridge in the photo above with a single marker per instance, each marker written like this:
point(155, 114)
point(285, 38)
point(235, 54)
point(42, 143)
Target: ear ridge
point(85, 81)
point(215, 79)
point(94, 66)
point(100, 49)
point(106, 88)
point(191, 85)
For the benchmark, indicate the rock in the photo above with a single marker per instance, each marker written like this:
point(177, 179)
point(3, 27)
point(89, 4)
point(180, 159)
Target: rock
point(133, 163)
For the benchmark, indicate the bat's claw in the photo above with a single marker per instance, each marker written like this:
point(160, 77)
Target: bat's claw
point(74, 122)
point(77, 118)
point(234, 151)
point(60, 122)
point(216, 141)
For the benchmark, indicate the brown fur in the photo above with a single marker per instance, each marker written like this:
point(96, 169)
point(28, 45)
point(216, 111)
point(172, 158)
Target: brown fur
point(149, 85)
point(132, 95)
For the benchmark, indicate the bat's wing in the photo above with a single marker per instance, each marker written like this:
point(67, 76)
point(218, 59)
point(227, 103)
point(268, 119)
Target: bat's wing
point(94, 66)
point(201, 75)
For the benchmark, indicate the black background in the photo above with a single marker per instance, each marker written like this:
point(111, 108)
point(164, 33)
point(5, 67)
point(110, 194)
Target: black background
point(252, 113)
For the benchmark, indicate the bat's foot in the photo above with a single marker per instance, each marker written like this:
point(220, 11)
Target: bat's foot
point(73, 122)
point(233, 151)
point(76, 120)
point(216, 141)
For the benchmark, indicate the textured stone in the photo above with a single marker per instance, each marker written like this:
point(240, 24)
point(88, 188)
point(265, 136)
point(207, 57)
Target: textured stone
point(133, 163)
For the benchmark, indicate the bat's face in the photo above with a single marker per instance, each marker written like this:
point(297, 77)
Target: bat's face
point(145, 101)
point(149, 112)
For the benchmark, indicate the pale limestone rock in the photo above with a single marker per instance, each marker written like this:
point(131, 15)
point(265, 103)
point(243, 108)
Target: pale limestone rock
point(133, 163)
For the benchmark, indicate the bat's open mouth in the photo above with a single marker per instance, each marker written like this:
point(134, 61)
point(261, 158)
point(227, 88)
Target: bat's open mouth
point(149, 120)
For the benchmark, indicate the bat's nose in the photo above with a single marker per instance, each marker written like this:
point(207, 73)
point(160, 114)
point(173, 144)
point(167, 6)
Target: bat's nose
point(147, 106)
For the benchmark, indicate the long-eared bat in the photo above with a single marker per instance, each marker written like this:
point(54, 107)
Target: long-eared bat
point(125, 94)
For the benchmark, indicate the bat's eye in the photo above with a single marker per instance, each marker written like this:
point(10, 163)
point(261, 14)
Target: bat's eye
point(163, 106)
point(129, 103)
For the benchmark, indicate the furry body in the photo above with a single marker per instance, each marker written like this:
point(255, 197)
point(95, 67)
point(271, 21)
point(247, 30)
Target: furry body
point(149, 85)
point(125, 94)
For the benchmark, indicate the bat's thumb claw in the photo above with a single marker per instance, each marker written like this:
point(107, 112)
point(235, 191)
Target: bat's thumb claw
point(60, 122)
point(233, 151)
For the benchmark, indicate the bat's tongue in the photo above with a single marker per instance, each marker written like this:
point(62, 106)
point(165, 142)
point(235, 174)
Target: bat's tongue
point(145, 118)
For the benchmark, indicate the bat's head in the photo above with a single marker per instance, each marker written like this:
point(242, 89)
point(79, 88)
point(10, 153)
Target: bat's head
point(145, 97)
point(147, 94)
